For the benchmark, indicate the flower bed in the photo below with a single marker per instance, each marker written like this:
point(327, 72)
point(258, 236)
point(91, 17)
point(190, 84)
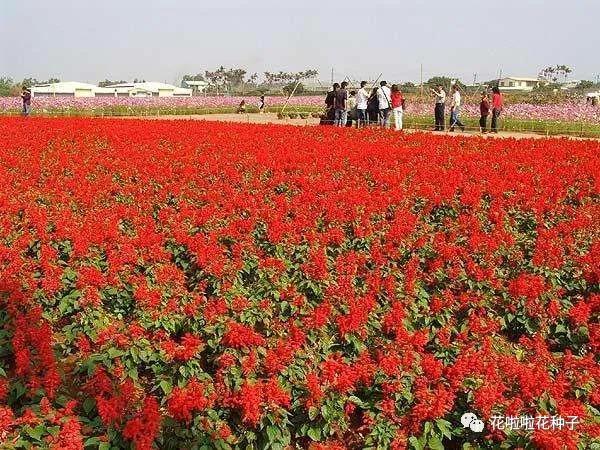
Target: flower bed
point(208, 102)
point(564, 112)
point(211, 285)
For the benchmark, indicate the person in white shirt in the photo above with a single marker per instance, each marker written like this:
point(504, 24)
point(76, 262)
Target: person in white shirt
point(455, 110)
point(351, 108)
point(383, 96)
point(440, 105)
point(362, 97)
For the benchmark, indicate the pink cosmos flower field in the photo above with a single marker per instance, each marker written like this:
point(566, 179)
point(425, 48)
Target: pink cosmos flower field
point(563, 112)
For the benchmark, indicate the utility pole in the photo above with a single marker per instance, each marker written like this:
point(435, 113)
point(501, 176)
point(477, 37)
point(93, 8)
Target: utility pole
point(421, 79)
point(332, 75)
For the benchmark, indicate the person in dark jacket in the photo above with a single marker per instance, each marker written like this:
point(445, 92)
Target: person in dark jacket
point(329, 117)
point(484, 109)
point(26, 97)
point(373, 106)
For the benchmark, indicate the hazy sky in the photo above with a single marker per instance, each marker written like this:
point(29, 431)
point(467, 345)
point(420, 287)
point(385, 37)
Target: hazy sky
point(162, 40)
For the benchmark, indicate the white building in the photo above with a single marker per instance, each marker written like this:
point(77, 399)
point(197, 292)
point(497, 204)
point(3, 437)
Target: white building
point(195, 85)
point(572, 84)
point(67, 89)
point(149, 89)
point(77, 89)
point(519, 83)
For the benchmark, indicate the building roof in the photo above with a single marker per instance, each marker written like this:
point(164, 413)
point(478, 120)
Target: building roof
point(150, 86)
point(196, 82)
point(66, 87)
point(521, 78)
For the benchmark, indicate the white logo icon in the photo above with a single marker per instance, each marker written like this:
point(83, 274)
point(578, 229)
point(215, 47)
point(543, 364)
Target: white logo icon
point(470, 420)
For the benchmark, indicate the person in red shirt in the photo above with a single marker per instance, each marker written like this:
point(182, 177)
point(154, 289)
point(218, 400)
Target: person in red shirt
point(397, 106)
point(497, 105)
point(484, 109)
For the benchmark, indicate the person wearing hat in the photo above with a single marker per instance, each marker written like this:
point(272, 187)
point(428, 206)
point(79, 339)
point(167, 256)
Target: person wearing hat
point(26, 96)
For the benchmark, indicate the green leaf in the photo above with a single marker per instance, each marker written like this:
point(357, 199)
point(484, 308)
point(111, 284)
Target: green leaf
point(37, 432)
point(415, 443)
point(272, 433)
point(435, 443)
point(427, 428)
point(313, 412)
point(314, 434)
point(444, 427)
point(133, 374)
point(166, 386)
point(88, 404)
point(92, 441)
point(114, 352)
point(357, 401)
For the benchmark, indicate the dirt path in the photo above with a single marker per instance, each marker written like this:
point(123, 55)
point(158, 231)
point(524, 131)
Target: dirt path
point(272, 118)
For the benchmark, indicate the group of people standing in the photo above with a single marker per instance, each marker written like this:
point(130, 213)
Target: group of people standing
point(344, 108)
point(496, 105)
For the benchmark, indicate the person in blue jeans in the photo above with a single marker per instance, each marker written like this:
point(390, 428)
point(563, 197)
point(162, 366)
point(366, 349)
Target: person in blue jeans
point(362, 103)
point(340, 105)
point(455, 110)
point(384, 95)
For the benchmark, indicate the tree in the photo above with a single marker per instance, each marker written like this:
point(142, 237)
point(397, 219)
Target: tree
point(444, 81)
point(585, 84)
point(288, 77)
point(289, 88)
point(28, 82)
point(553, 74)
point(108, 82)
point(234, 77)
point(197, 77)
point(217, 77)
point(6, 86)
point(252, 79)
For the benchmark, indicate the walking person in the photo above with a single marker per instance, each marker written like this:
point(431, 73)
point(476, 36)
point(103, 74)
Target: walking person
point(397, 100)
point(455, 110)
point(373, 106)
point(26, 97)
point(497, 105)
point(484, 110)
point(385, 106)
point(340, 104)
point(440, 105)
point(362, 98)
point(261, 104)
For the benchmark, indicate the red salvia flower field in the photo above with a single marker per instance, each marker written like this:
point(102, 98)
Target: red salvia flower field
point(179, 284)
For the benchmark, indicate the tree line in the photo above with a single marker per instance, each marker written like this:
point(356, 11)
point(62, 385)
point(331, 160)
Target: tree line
point(237, 79)
point(233, 79)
